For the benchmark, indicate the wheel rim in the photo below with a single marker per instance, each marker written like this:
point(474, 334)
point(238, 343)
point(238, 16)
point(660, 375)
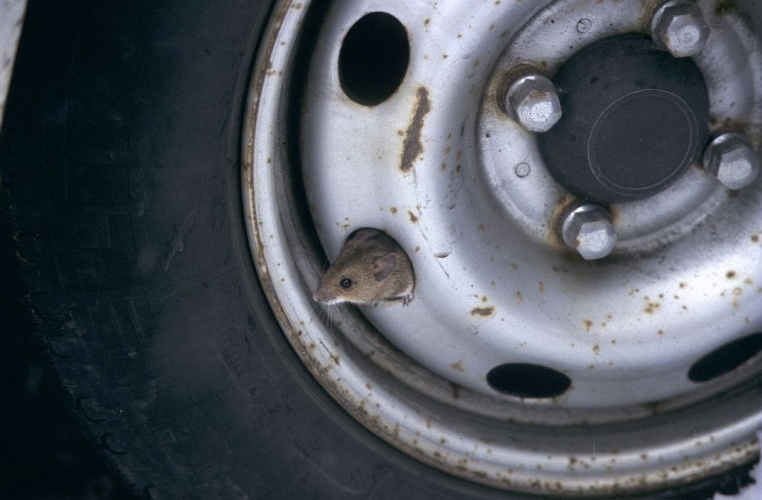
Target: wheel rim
point(428, 164)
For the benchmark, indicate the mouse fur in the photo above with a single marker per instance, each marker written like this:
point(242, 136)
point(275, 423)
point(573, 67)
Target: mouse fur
point(372, 268)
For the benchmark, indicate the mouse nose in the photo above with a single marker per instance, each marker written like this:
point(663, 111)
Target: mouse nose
point(322, 296)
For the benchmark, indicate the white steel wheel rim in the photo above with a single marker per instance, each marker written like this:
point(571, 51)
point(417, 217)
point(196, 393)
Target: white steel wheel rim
point(430, 408)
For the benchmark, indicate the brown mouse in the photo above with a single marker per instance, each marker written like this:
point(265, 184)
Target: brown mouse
point(371, 268)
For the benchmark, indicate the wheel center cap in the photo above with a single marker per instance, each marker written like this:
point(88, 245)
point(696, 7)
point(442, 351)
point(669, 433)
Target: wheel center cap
point(634, 119)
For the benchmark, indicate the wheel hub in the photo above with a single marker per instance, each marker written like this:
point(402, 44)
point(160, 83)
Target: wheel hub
point(633, 120)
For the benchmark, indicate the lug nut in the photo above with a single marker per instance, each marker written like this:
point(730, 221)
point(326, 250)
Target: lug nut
point(730, 158)
point(588, 230)
point(532, 101)
point(679, 27)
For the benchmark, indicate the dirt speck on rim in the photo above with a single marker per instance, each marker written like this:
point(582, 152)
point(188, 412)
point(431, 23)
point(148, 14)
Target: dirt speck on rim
point(483, 311)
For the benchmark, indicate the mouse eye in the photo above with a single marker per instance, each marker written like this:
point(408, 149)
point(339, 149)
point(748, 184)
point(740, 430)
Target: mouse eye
point(346, 283)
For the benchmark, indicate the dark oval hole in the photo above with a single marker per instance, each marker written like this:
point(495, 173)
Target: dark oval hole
point(726, 358)
point(373, 58)
point(528, 380)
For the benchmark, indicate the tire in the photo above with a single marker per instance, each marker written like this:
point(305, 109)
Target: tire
point(123, 136)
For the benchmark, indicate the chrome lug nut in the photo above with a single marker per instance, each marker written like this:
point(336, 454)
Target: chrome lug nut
point(532, 101)
point(588, 230)
point(730, 158)
point(679, 27)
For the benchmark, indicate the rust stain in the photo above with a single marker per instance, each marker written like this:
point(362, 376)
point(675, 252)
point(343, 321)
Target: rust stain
point(483, 311)
point(458, 366)
point(608, 318)
point(413, 217)
point(393, 210)
point(455, 391)
point(588, 324)
point(412, 146)
point(651, 305)
point(730, 275)
point(564, 205)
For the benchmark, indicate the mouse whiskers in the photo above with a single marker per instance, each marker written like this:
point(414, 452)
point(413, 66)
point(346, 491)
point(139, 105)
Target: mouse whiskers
point(333, 315)
point(328, 314)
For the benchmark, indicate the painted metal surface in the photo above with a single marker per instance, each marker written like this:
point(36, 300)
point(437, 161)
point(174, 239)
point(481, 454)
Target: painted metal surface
point(462, 188)
point(11, 20)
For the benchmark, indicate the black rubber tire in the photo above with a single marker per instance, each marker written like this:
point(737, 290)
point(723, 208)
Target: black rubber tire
point(121, 173)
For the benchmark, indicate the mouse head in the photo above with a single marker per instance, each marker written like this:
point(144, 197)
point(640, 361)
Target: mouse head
point(360, 271)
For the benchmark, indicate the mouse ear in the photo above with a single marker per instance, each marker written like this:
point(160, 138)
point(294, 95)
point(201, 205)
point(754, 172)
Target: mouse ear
point(364, 234)
point(384, 266)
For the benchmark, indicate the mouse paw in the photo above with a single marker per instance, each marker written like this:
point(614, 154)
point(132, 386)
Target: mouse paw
point(406, 299)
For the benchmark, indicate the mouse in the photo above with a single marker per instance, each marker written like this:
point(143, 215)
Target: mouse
point(371, 269)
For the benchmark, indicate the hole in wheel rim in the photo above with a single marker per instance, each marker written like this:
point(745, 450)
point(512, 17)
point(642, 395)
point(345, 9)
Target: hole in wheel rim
point(527, 380)
point(373, 59)
point(726, 358)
